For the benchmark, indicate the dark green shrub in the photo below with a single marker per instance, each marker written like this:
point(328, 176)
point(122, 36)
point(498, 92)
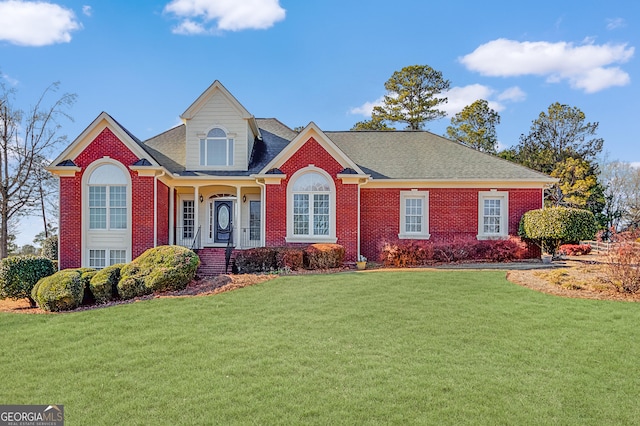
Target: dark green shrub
point(552, 226)
point(267, 259)
point(261, 259)
point(163, 268)
point(104, 283)
point(59, 292)
point(324, 256)
point(50, 247)
point(19, 274)
point(85, 276)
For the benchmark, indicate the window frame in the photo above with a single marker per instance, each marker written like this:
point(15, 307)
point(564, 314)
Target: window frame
point(503, 196)
point(108, 208)
point(229, 146)
point(311, 237)
point(107, 258)
point(413, 195)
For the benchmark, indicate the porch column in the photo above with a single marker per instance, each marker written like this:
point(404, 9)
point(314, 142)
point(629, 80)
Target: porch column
point(196, 215)
point(172, 219)
point(236, 220)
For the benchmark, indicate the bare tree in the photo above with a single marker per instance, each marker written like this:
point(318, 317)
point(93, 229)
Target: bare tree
point(26, 139)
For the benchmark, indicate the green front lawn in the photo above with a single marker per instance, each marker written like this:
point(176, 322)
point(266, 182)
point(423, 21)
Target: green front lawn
point(380, 347)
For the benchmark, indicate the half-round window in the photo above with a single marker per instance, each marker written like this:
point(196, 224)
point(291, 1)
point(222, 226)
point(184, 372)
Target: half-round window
point(311, 182)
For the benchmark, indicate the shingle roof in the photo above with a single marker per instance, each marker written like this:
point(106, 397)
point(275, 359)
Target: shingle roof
point(411, 155)
point(424, 155)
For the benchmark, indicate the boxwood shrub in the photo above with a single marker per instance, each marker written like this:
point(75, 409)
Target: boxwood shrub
point(103, 284)
point(19, 274)
point(163, 268)
point(59, 292)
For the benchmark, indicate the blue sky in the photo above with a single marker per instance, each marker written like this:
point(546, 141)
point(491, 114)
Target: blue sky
point(144, 62)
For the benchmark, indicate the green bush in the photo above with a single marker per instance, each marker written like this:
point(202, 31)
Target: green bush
point(552, 226)
point(103, 284)
point(85, 276)
point(19, 274)
point(50, 247)
point(324, 256)
point(163, 268)
point(61, 291)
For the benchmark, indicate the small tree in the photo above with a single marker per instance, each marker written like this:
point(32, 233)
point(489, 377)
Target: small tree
point(475, 126)
point(550, 227)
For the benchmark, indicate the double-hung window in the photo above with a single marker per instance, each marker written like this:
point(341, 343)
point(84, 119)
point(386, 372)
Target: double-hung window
point(108, 207)
point(493, 214)
point(216, 149)
point(414, 214)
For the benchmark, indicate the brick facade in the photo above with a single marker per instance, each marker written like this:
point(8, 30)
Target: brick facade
point(453, 213)
point(311, 153)
point(106, 143)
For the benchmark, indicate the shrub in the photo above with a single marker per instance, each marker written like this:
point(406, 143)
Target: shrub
point(266, 259)
point(59, 292)
point(574, 249)
point(419, 253)
point(19, 274)
point(622, 267)
point(85, 276)
point(50, 247)
point(163, 268)
point(553, 226)
point(103, 284)
point(324, 256)
point(260, 259)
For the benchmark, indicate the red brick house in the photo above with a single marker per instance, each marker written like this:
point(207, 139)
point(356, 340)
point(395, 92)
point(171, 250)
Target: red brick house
point(225, 178)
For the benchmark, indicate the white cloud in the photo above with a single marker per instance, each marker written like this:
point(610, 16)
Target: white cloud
point(367, 108)
point(587, 66)
point(513, 94)
point(211, 16)
point(87, 10)
point(12, 81)
point(458, 98)
point(27, 23)
point(614, 23)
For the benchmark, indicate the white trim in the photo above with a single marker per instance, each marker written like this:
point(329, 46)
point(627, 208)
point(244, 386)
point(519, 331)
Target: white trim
point(493, 194)
point(103, 239)
point(331, 238)
point(414, 194)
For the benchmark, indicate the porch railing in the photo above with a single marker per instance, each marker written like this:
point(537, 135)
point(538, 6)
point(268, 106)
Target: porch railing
point(191, 238)
point(188, 237)
point(249, 237)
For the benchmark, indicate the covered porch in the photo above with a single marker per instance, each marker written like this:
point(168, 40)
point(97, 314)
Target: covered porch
point(217, 216)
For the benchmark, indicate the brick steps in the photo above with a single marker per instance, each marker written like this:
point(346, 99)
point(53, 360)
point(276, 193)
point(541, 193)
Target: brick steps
point(212, 261)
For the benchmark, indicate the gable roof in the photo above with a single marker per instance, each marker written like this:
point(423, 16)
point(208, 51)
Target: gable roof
point(102, 121)
point(312, 131)
point(420, 155)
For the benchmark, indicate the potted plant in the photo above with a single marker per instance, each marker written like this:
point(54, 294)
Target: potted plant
point(361, 263)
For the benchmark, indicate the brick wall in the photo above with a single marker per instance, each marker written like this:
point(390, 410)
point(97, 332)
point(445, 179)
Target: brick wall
point(311, 152)
point(106, 143)
point(452, 213)
point(163, 214)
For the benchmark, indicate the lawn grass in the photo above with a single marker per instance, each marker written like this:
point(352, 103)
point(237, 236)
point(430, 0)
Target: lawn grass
point(444, 347)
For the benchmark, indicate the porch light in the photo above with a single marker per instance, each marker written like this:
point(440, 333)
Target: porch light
point(201, 198)
point(244, 198)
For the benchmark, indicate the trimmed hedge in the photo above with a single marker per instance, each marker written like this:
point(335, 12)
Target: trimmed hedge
point(61, 291)
point(419, 253)
point(19, 274)
point(266, 259)
point(163, 268)
point(103, 284)
point(324, 256)
point(552, 226)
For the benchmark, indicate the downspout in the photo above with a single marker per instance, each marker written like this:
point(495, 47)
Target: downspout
point(155, 208)
point(360, 183)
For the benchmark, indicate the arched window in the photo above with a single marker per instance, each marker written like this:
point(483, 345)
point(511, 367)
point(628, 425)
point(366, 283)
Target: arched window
point(312, 207)
point(216, 149)
point(107, 198)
